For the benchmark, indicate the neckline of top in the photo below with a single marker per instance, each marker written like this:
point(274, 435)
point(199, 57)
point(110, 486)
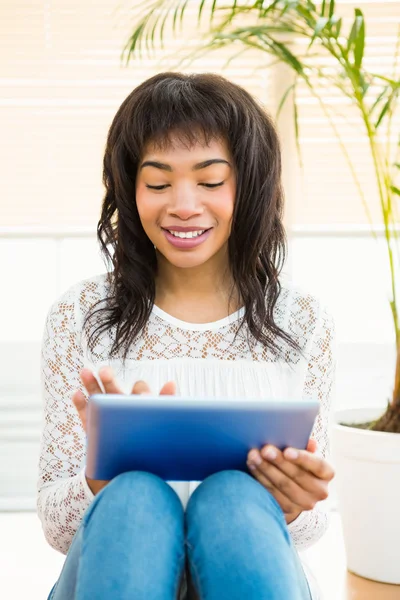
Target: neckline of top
point(199, 326)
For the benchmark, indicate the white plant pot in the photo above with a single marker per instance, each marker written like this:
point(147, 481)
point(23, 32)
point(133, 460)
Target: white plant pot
point(367, 465)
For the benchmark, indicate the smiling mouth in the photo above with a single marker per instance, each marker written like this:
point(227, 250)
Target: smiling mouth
point(187, 235)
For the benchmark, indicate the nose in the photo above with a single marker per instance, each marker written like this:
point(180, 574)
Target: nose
point(184, 205)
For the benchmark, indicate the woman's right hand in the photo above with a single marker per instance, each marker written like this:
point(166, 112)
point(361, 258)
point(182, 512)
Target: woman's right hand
point(110, 387)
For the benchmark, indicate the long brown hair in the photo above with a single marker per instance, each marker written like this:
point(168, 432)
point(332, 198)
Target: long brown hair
point(213, 107)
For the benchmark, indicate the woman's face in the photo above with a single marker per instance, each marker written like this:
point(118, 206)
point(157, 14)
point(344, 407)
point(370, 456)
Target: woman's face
point(185, 199)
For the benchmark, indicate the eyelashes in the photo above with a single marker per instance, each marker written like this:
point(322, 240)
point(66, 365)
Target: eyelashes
point(213, 185)
point(163, 187)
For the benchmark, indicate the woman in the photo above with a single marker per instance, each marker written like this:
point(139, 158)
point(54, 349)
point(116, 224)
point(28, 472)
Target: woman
point(194, 306)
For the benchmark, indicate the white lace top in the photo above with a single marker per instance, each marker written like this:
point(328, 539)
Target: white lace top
point(202, 359)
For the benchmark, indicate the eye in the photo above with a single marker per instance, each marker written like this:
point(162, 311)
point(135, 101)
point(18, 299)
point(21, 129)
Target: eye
point(212, 185)
point(156, 187)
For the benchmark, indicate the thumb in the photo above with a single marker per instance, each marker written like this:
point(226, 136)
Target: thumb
point(312, 445)
point(80, 402)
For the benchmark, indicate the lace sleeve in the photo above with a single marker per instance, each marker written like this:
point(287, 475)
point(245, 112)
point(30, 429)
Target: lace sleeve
point(63, 493)
point(310, 525)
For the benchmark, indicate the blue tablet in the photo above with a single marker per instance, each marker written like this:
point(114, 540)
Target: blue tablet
point(182, 439)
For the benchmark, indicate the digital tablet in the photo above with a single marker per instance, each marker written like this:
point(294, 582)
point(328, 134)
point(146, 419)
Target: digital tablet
point(187, 439)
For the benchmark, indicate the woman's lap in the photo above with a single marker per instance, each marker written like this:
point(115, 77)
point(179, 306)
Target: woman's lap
point(135, 522)
point(233, 537)
point(240, 524)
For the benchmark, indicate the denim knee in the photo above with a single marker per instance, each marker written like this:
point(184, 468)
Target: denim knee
point(235, 492)
point(133, 489)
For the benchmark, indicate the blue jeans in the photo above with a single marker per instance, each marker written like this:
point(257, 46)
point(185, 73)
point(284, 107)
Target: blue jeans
point(135, 540)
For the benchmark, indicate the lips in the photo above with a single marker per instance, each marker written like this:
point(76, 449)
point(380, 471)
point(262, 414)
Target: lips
point(186, 243)
point(179, 229)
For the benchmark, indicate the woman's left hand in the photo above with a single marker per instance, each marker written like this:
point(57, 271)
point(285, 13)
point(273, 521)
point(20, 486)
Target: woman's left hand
point(297, 479)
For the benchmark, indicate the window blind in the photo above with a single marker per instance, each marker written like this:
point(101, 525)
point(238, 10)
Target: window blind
point(327, 193)
point(62, 81)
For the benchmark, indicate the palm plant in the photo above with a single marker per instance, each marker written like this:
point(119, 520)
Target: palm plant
point(281, 28)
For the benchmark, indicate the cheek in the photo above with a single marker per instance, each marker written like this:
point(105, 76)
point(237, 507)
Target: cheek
point(147, 210)
point(224, 208)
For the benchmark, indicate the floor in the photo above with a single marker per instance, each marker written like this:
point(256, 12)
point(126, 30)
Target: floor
point(29, 566)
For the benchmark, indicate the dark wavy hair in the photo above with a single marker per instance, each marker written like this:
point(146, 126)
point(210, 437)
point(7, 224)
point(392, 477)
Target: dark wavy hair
point(209, 106)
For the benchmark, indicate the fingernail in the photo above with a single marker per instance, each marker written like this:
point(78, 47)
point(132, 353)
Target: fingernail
point(270, 454)
point(291, 453)
point(105, 372)
point(255, 458)
point(251, 466)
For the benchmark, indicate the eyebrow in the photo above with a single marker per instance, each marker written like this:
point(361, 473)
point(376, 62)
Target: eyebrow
point(197, 167)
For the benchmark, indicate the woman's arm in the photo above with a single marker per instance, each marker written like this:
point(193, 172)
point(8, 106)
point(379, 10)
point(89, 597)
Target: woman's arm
point(310, 525)
point(63, 493)
point(299, 479)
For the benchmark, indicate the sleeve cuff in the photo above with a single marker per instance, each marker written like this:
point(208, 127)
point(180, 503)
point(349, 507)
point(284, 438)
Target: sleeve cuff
point(88, 492)
point(298, 521)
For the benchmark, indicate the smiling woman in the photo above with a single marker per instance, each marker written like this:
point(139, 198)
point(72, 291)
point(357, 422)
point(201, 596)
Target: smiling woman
point(194, 305)
point(193, 204)
point(160, 172)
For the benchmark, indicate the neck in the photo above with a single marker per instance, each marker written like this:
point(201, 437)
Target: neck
point(210, 281)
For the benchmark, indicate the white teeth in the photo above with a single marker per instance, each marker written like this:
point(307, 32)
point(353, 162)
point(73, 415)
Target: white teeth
point(186, 234)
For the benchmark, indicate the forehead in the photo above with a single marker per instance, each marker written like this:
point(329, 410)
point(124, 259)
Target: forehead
point(177, 144)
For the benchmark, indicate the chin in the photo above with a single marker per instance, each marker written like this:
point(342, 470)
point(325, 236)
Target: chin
point(187, 259)
point(187, 262)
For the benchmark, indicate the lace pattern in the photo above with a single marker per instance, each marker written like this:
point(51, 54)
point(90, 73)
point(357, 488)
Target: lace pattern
point(63, 494)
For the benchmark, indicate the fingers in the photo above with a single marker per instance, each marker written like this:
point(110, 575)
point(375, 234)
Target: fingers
point(304, 479)
point(300, 486)
point(312, 463)
point(90, 382)
point(93, 387)
point(288, 486)
point(312, 445)
point(141, 387)
point(80, 403)
point(110, 386)
point(107, 379)
point(168, 389)
point(284, 502)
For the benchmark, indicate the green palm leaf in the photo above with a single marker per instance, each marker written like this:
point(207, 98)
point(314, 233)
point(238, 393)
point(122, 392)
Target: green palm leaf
point(274, 28)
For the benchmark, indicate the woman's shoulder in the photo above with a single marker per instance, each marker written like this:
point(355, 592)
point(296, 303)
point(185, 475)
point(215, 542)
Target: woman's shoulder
point(297, 295)
point(304, 310)
point(82, 294)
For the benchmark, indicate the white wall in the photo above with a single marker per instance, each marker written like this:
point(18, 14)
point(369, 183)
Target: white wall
point(349, 273)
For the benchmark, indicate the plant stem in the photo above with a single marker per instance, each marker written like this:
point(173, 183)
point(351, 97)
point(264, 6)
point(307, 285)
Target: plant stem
point(385, 213)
